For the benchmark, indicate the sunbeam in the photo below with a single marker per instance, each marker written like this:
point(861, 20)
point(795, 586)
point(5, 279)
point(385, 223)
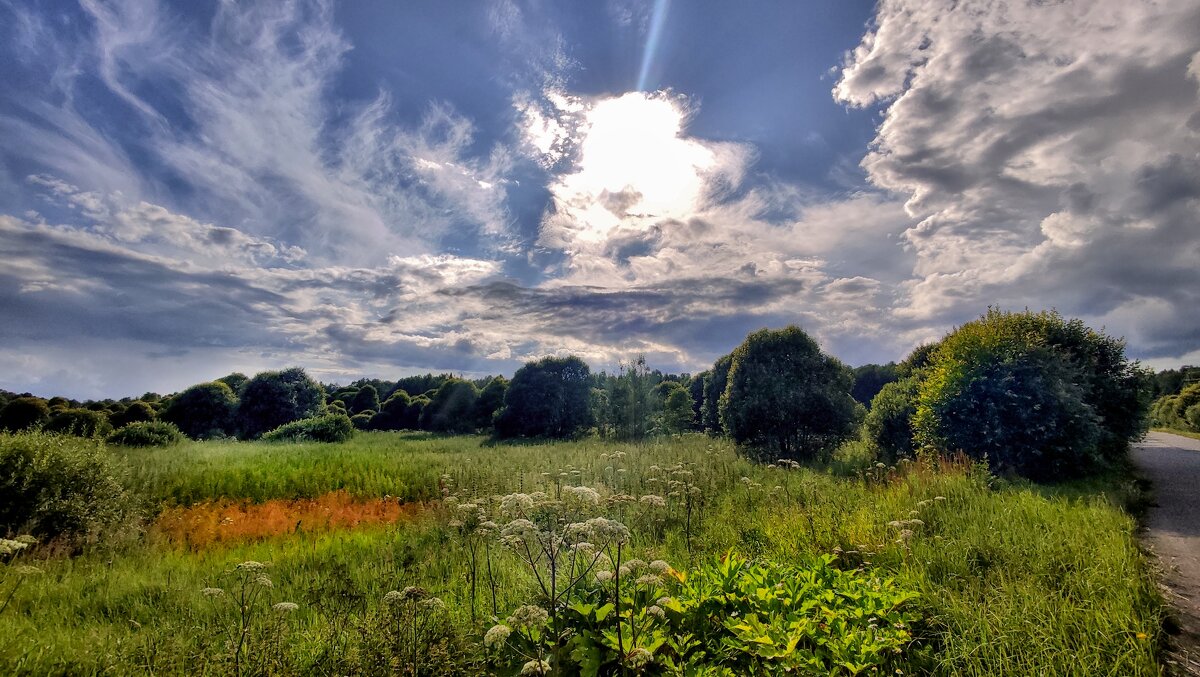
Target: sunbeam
point(657, 21)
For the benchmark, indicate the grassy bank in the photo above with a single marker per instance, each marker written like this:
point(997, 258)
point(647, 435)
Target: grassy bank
point(1011, 578)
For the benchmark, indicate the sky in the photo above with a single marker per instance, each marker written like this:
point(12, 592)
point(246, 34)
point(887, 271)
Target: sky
point(375, 189)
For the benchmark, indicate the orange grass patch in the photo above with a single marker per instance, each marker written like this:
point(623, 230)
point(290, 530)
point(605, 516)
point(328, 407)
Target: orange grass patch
point(226, 521)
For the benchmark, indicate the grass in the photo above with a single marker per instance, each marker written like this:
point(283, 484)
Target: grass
point(1013, 578)
point(1182, 433)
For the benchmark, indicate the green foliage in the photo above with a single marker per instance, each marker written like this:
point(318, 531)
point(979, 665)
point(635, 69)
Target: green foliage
point(137, 412)
point(1039, 396)
point(1177, 411)
point(489, 403)
point(146, 434)
point(888, 424)
point(333, 427)
point(869, 379)
point(59, 486)
point(714, 386)
point(274, 398)
point(634, 400)
point(918, 360)
point(677, 416)
point(787, 399)
point(24, 413)
point(452, 408)
point(1192, 417)
point(79, 422)
point(366, 398)
point(362, 420)
point(203, 411)
point(236, 381)
point(547, 398)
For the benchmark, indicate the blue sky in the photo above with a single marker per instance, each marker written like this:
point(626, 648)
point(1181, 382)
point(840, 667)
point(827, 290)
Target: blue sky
point(375, 188)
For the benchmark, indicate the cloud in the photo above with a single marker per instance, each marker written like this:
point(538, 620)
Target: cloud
point(1047, 153)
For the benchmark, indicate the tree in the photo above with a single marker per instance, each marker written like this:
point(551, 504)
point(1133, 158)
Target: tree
point(786, 398)
point(490, 401)
point(547, 398)
point(273, 398)
point(414, 413)
point(633, 400)
point(714, 387)
point(203, 411)
point(1041, 396)
point(391, 413)
point(696, 391)
point(366, 398)
point(24, 413)
point(136, 412)
point(79, 422)
point(869, 379)
point(888, 423)
point(235, 381)
point(677, 413)
point(452, 408)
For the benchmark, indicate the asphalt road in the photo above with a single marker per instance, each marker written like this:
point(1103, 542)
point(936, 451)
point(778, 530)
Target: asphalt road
point(1172, 463)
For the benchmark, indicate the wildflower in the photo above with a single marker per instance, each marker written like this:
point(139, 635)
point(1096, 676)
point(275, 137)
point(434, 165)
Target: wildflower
point(535, 667)
point(26, 539)
point(916, 522)
point(516, 504)
point(263, 580)
point(895, 524)
point(649, 579)
point(414, 593)
point(455, 524)
point(653, 501)
point(212, 592)
point(8, 547)
point(519, 529)
point(659, 566)
point(621, 471)
point(528, 616)
point(664, 601)
point(639, 657)
point(496, 635)
point(656, 611)
point(251, 565)
point(486, 528)
point(582, 494)
point(939, 498)
point(393, 597)
point(745, 480)
point(468, 507)
point(603, 576)
point(433, 603)
point(285, 607)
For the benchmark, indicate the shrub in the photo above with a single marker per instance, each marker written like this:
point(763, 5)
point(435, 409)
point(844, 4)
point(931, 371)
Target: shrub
point(714, 386)
point(24, 413)
point(362, 421)
point(785, 398)
point(1040, 396)
point(452, 408)
point(335, 427)
point(677, 410)
point(365, 399)
point(490, 401)
point(547, 398)
point(888, 424)
point(1192, 417)
point(54, 485)
point(274, 398)
point(136, 412)
point(203, 411)
point(146, 434)
point(79, 422)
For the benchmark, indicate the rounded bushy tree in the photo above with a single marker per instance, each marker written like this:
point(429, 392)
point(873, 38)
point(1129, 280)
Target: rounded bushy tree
point(490, 401)
point(677, 414)
point(1040, 396)
point(146, 434)
point(24, 413)
point(367, 398)
point(715, 381)
point(79, 422)
point(547, 398)
point(452, 408)
point(273, 398)
point(136, 412)
point(888, 424)
point(203, 411)
point(785, 398)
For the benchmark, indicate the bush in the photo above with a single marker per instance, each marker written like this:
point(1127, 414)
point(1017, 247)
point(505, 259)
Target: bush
point(136, 412)
point(79, 422)
point(274, 398)
point(203, 411)
point(714, 386)
point(58, 486)
point(336, 427)
point(490, 401)
point(1192, 417)
point(787, 399)
point(362, 421)
point(888, 424)
point(365, 399)
point(452, 408)
point(24, 413)
point(1039, 396)
point(146, 434)
point(547, 398)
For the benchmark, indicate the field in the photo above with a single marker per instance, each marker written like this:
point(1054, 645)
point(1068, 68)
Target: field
point(1009, 578)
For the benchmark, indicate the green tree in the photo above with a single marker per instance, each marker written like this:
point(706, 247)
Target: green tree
point(677, 413)
point(391, 413)
point(203, 411)
point(714, 388)
point(888, 423)
point(786, 398)
point(869, 379)
point(490, 401)
point(273, 398)
point(24, 413)
point(452, 408)
point(696, 391)
point(137, 412)
point(366, 398)
point(547, 398)
point(235, 381)
point(79, 422)
point(1041, 396)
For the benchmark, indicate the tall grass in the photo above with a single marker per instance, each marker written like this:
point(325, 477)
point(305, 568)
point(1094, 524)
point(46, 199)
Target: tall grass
point(1013, 579)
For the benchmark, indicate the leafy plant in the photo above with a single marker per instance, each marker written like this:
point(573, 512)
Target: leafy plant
point(333, 427)
point(146, 434)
